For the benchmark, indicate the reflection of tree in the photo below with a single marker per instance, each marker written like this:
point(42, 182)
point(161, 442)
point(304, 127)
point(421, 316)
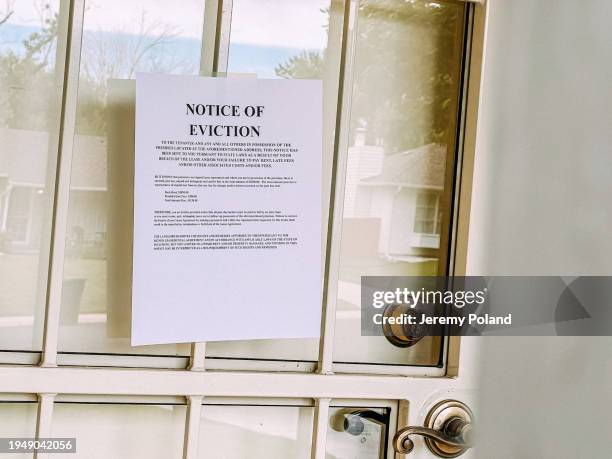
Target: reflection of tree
point(27, 77)
point(27, 72)
point(307, 64)
point(119, 54)
point(405, 75)
point(7, 13)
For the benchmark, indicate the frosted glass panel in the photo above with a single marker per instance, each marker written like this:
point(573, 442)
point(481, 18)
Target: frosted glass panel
point(30, 91)
point(256, 432)
point(121, 431)
point(397, 199)
point(144, 37)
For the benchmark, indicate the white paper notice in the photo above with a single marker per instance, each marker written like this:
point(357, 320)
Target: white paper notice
point(227, 209)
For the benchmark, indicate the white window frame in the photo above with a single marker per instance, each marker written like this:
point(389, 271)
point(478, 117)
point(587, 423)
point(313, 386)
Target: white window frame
point(436, 216)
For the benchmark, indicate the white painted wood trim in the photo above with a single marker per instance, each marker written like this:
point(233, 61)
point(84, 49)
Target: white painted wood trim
point(209, 37)
point(192, 427)
point(401, 422)
point(330, 289)
point(62, 185)
point(197, 357)
point(224, 28)
point(44, 419)
point(319, 428)
point(119, 381)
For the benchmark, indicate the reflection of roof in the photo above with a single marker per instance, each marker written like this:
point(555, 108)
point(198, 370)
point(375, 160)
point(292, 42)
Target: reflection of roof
point(23, 158)
point(422, 167)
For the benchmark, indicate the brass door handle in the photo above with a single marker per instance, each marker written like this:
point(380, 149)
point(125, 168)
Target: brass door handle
point(447, 431)
point(403, 444)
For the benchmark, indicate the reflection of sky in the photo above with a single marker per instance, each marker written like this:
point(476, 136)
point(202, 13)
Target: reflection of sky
point(29, 12)
point(259, 60)
point(264, 32)
point(286, 23)
point(244, 58)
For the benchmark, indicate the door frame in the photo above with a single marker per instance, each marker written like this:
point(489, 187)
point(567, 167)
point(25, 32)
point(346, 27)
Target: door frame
point(405, 390)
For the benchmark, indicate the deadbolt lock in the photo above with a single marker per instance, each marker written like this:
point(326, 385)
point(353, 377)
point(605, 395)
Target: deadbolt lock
point(401, 335)
point(447, 430)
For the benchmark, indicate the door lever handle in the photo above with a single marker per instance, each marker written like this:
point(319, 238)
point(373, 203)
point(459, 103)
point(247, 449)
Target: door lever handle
point(448, 430)
point(403, 444)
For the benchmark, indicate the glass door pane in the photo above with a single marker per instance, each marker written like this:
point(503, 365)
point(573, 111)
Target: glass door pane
point(96, 297)
point(288, 39)
point(266, 432)
point(18, 420)
point(121, 430)
point(30, 92)
point(399, 177)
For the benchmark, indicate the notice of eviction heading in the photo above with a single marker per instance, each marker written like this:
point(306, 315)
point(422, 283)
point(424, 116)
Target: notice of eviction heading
point(227, 209)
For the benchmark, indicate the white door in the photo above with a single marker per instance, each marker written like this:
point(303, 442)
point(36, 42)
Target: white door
point(399, 123)
point(544, 154)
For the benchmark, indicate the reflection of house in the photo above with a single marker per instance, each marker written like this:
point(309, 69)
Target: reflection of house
point(26, 183)
point(393, 202)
